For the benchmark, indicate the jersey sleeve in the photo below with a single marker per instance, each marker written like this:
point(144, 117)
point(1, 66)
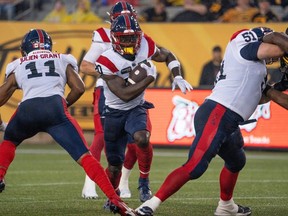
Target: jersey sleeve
point(70, 59)
point(151, 46)
point(101, 35)
point(96, 49)
point(106, 66)
point(247, 43)
point(11, 67)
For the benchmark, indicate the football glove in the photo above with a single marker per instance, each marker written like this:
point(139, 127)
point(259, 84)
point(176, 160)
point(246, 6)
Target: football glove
point(3, 126)
point(181, 83)
point(282, 85)
point(284, 64)
point(151, 71)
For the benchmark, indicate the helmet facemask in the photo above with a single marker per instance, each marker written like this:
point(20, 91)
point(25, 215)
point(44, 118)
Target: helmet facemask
point(126, 43)
point(126, 36)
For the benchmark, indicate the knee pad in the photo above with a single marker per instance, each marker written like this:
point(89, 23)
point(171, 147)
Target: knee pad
point(238, 162)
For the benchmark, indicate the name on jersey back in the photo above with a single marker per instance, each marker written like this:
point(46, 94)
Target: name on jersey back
point(41, 56)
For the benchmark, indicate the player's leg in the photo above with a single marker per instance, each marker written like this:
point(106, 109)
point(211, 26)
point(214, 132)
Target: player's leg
point(69, 135)
point(130, 160)
point(144, 156)
point(233, 154)
point(210, 131)
point(89, 188)
point(22, 125)
point(139, 125)
point(115, 143)
point(7, 154)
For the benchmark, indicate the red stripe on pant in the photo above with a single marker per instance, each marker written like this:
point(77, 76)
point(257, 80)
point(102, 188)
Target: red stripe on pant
point(207, 136)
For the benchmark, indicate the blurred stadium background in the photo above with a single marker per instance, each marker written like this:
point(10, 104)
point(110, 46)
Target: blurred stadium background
point(264, 183)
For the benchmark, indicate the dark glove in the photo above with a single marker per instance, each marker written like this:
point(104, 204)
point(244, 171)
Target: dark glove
point(266, 90)
point(282, 85)
point(284, 64)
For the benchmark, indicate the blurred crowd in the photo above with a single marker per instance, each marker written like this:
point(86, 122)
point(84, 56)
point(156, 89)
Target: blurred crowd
point(87, 11)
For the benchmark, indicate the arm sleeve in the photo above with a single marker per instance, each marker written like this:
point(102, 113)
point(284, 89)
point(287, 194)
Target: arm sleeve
point(11, 67)
point(70, 59)
point(249, 52)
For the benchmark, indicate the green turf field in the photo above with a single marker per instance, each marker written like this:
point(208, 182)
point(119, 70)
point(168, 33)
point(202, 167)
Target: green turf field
point(43, 180)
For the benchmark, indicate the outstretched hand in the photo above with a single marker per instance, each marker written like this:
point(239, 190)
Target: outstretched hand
point(182, 84)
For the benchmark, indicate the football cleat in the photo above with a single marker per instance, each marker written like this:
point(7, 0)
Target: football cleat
point(241, 211)
point(144, 211)
point(125, 193)
point(2, 185)
point(144, 190)
point(89, 189)
point(119, 207)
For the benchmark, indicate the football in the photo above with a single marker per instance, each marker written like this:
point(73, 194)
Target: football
point(137, 74)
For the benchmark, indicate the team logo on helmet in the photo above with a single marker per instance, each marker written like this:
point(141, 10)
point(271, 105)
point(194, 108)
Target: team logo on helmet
point(35, 39)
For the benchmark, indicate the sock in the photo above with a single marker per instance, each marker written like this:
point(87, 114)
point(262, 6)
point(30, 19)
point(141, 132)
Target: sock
point(114, 178)
point(7, 154)
point(96, 172)
point(130, 156)
point(227, 183)
point(97, 145)
point(173, 182)
point(125, 177)
point(144, 156)
point(153, 203)
point(228, 205)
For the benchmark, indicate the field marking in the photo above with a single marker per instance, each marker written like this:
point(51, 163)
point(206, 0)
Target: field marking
point(158, 153)
point(151, 182)
point(186, 199)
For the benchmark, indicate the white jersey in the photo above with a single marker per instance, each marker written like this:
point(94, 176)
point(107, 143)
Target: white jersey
point(240, 81)
point(41, 73)
point(100, 43)
point(113, 63)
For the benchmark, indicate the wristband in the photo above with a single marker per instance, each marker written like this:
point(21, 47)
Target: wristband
point(173, 64)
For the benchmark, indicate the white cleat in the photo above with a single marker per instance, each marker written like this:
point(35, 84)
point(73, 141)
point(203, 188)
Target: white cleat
point(231, 209)
point(89, 189)
point(125, 193)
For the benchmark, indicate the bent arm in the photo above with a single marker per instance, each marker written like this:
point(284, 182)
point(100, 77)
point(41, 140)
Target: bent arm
point(126, 93)
point(274, 46)
point(76, 85)
point(164, 55)
point(7, 89)
point(88, 68)
point(278, 97)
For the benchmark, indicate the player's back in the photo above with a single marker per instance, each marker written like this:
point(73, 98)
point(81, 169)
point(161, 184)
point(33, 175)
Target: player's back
point(41, 73)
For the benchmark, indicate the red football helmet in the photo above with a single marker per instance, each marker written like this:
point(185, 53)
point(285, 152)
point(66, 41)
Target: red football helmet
point(120, 8)
point(126, 35)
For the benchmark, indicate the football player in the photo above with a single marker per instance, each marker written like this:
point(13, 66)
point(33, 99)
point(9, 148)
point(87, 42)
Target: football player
point(101, 41)
point(125, 108)
point(43, 75)
point(238, 90)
